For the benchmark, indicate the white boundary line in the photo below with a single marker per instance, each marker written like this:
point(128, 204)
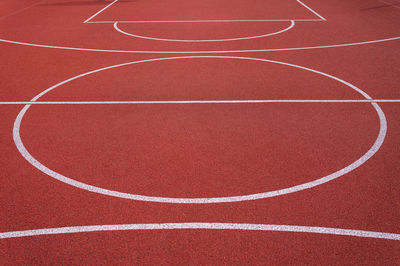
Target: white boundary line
point(199, 102)
point(202, 52)
point(203, 226)
point(352, 166)
point(314, 12)
point(320, 18)
point(292, 23)
point(204, 21)
point(86, 21)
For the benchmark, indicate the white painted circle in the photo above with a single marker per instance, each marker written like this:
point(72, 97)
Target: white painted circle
point(292, 23)
point(375, 147)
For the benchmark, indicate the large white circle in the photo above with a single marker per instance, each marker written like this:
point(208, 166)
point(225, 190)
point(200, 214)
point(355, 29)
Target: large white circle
point(375, 147)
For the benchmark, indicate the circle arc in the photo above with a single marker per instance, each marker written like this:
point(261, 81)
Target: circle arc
point(202, 226)
point(374, 148)
point(292, 24)
point(201, 52)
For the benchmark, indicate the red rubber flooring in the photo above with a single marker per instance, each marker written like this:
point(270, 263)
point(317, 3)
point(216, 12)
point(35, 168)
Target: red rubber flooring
point(255, 132)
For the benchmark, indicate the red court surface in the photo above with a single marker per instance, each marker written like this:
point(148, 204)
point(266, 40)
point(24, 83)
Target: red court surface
point(200, 132)
point(204, 10)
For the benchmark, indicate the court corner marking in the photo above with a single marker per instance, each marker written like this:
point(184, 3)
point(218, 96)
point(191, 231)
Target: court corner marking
point(311, 10)
point(98, 13)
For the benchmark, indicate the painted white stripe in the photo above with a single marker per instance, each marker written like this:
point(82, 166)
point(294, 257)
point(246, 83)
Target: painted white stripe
point(203, 102)
point(194, 226)
point(395, 5)
point(310, 9)
point(86, 21)
point(292, 23)
point(206, 21)
point(201, 52)
point(319, 181)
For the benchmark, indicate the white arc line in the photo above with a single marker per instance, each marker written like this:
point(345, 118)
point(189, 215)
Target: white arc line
point(292, 23)
point(202, 226)
point(202, 102)
point(86, 21)
point(201, 52)
point(373, 149)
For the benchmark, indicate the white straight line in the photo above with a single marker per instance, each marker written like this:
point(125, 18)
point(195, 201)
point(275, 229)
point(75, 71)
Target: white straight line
point(200, 102)
point(210, 226)
point(309, 8)
point(86, 21)
point(204, 21)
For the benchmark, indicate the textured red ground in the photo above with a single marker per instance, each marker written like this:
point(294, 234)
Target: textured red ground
point(199, 150)
point(204, 10)
point(348, 21)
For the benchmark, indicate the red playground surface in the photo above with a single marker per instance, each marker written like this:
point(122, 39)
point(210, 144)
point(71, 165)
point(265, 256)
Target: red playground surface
point(200, 132)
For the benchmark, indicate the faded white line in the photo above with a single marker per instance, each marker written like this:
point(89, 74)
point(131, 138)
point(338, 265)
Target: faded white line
point(202, 226)
point(395, 5)
point(201, 52)
point(86, 21)
point(201, 102)
point(21, 10)
point(352, 166)
point(292, 23)
point(310, 9)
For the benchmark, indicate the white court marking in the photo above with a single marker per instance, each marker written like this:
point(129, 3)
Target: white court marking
point(200, 52)
point(202, 102)
point(291, 21)
point(310, 9)
point(204, 21)
point(375, 147)
point(292, 24)
point(210, 226)
point(89, 20)
point(86, 21)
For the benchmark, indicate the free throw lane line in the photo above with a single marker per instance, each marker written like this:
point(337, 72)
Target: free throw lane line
point(92, 17)
point(292, 23)
point(320, 18)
